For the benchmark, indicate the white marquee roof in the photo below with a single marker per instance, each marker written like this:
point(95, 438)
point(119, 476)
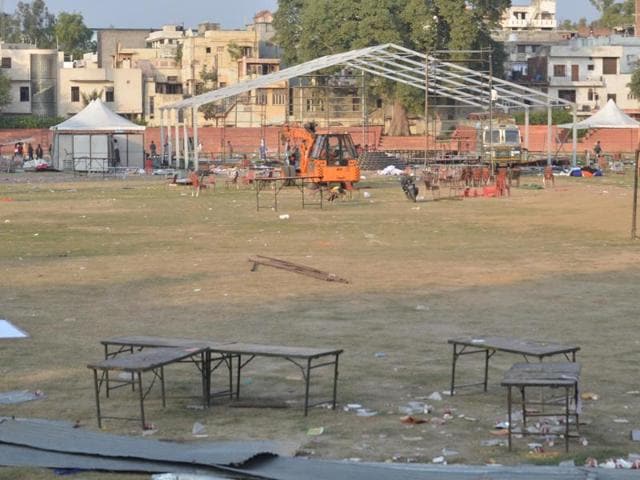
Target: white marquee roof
point(97, 117)
point(402, 65)
point(610, 116)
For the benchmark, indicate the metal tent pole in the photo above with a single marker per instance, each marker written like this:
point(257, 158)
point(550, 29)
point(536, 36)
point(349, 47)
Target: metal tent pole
point(549, 122)
point(635, 197)
point(196, 138)
point(177, 132)
point(185, 139)
point(574, 136)
point(526, 133)
point(161, 146)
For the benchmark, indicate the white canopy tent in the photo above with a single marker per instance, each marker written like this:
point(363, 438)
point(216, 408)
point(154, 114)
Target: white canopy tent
point(610, 116)
point(96, 139)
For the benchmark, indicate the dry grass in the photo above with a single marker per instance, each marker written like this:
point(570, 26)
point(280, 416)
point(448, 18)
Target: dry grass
point(86, 259)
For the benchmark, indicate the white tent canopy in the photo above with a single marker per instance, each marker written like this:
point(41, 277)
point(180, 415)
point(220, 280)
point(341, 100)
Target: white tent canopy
point(97, 117)
point(97, 140)
point(610, 116)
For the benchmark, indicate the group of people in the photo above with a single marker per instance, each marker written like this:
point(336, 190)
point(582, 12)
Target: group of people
point(30, 154)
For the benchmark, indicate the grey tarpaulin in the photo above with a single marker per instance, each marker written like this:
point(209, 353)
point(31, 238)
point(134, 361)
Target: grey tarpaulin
point(60, 438)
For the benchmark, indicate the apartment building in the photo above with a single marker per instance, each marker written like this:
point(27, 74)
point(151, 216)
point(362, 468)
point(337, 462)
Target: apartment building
point(590, 71)
point(538, 15)
point(33, 74)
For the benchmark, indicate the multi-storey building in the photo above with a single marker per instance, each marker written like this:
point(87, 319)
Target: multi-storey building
point(33, 74)
point(538, 15)
point(590, 71)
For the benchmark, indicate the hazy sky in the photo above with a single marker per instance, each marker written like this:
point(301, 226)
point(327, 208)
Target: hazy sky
point(230, 13)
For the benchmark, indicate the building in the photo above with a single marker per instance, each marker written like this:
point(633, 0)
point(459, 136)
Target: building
point(538, 15)
point(590, 71)
point(119, 88)
point(33, 74)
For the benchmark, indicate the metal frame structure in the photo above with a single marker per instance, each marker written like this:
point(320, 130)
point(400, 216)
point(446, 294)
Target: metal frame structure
point(396, 63)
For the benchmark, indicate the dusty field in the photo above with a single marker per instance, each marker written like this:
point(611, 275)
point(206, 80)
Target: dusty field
point(85, 259)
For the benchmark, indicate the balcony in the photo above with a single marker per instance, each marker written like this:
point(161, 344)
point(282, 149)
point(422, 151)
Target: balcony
point(583, 81)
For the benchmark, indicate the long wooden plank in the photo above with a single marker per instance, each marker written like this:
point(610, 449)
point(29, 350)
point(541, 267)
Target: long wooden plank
point(295, 268)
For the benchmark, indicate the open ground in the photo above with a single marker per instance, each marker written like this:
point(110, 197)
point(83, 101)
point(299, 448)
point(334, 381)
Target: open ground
point(85, 259)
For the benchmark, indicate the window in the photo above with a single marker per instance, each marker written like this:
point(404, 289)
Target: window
point(590, 67)
point(152, 107)
point(279, 96)
point(208, 49)
point(261, 96)
point(223, 84)
point(172, 79)
point(75, 94)
point(108, 95)
point(611, 96)
point(24, 94)
point(610, 66)
point(6, 62)
point(522, 49)
point(559, 71)
point(569, 95)
point(355, 104)
point(592, 95)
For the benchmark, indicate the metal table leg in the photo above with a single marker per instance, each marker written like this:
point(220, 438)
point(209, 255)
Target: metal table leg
point(453, 369)
point(306, 392)
point(566, 420)
point(141, 400)
point(486, 369)
point(335, 382)
point(238, 377)
point(509, 414)
point(97, 391)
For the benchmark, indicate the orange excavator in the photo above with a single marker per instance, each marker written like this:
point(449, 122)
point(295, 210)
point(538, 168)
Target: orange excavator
point(329, 157)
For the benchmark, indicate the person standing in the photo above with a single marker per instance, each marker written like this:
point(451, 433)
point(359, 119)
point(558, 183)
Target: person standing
point(153, 149)
point(39, 152)
point(116, 153)
point(30, 151)
point(597, 149)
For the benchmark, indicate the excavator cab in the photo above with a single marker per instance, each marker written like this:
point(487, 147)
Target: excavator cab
point(336, 148)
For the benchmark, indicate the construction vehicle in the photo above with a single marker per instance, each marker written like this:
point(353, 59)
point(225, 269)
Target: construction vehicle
point(327, 157)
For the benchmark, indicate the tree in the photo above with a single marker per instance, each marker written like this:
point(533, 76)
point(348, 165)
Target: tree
point(94, 95)
point(9, 28)
point(634, 84)
point(310, 29)
point(614, 14)
point(5, 90)
point(72, 34)
point(36, 23)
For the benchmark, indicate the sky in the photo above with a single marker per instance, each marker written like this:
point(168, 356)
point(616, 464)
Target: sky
point(229, 13)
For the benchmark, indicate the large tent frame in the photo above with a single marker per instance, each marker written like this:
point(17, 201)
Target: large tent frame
point(393, 62)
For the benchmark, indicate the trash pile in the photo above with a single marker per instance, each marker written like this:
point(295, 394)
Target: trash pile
point(632, 462)
point(391, 170)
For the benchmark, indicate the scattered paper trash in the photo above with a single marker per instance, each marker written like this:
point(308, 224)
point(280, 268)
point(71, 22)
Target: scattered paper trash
point(199, 430)
point(447, 452)
point(435, 396)
point(620, 420)
point(285, 216)
point(589, 396)
point(314, 432)
point(380, 355)
point(352, 407)
point(412, 408)
point(409, 420)
point(494, 442)
point(366, 194)
point(440, 459)
point(365, 412)
point(635, 435)
point(20, 396)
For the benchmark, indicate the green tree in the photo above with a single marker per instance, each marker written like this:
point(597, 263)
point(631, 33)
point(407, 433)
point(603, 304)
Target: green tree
point(72, 34)
point(36, 23)
point(613, 13)
point(94, 95)
point(309, 29)
point(634, 84)
point(9, 28)
point(5, 90)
